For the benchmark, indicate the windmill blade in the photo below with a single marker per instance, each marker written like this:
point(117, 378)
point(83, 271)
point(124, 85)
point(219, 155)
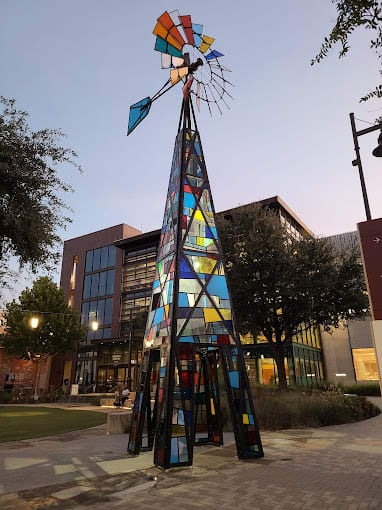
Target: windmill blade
point(138, 112)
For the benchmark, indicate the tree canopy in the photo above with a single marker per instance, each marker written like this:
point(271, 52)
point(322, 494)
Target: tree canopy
point(58, 327)
point(353, 14)
point(31, 207)
point(281, 285)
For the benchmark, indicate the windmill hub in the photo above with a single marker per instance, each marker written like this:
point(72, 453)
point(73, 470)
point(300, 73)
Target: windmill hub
point(193, 67)
point(198, 65)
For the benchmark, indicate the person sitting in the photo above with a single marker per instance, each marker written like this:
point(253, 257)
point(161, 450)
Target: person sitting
point(125, 395)
point(117, 402)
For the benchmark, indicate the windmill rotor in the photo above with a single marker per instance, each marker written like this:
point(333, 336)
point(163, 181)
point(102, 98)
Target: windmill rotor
point(187, 53)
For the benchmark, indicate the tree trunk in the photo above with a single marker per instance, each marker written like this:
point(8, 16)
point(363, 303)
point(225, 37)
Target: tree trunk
point(279, 357)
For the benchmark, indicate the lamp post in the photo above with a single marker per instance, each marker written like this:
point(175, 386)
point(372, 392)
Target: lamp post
point(129, 380)
point(34, 323)
point(377, 152)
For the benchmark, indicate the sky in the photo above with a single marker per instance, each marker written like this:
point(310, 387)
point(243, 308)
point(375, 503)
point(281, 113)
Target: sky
point(78, 65)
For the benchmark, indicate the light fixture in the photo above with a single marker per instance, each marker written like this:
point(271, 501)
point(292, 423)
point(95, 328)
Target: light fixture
point(94, 325)
point(34, 322)
point(377, 152)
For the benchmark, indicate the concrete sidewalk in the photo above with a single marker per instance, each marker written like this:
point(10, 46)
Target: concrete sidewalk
point(337, 467)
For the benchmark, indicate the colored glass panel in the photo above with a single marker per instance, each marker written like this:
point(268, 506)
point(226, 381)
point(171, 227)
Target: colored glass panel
point(214, 54)
point(198, 32)
point(206, 43)
point(187, 27)
point(163, 46)
point(138, 112)
point(169, 24)
point(164, 34)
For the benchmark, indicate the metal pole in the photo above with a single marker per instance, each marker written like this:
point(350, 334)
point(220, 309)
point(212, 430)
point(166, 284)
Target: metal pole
point(36, 388)
point(357, 162)
point(129, 381)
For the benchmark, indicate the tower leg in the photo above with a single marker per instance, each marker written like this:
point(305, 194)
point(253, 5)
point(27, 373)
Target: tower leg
point(247, 436)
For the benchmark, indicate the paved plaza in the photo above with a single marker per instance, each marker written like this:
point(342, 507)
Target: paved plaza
point(329, 468)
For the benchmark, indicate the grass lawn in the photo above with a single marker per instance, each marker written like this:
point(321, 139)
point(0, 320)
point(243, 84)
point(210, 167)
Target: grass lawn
point(18, 422)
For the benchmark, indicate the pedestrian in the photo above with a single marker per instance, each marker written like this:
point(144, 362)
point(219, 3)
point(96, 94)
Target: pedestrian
point(125, 395)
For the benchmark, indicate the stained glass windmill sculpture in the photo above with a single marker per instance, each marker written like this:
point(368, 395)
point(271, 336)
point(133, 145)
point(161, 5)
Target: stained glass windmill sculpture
point(191, 349)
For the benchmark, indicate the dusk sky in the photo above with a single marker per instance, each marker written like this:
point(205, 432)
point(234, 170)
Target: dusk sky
point(79, 65)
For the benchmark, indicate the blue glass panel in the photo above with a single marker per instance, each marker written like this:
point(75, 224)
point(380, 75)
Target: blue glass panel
point(184, 266)
point(108, 311)
point(101, 311)
point(94, 285)
point(198, 31)
point(107, 333)
point(110, 282)
point(85, 313)
point(96, 259)
point(251, 420)
point(214, 54)
point(156, 284)
point(189, 339)
point(234, 379)
point(87, 283)
point(180, 417)
point(189, 200)
point(183, 450)
point(183, 299)
point(217, 286)
point(89, 261)
point(174, 456)
point(104, 257)
point(159, 315)
point(165, 47)
point(162, 371)
point(112, 255)
point(102, 283)
point(138, 112)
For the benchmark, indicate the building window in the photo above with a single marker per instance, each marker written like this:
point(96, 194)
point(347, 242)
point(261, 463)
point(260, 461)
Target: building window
point(365, 364)
point(73, 273)
point(100, 258)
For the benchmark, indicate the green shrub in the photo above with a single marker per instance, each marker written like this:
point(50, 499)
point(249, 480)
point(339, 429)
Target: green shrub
point(5, 397)
point(367, 389)
point(297, 409)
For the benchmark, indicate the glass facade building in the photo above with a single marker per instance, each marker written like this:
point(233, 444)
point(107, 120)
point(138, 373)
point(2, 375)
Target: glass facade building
point(112, 284)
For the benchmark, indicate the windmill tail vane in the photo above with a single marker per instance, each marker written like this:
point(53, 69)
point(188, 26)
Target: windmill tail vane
point(188, 54)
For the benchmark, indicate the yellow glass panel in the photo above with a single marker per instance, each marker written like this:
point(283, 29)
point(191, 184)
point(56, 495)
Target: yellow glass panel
point(245, 419)
point(226, 314)
point(206, 265)
point(206, 43)
point(212, 407)
point(199, 216)
point(177, 74)
point(211, 315)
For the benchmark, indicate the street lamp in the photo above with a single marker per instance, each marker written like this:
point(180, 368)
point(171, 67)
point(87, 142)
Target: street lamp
point(34, 323)
point(377, 152)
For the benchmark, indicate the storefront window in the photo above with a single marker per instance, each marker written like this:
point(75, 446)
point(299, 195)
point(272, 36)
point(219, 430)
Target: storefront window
point(365, 364)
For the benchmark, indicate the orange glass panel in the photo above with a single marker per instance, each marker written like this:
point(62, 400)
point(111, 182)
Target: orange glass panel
point(162, 32)
point(166, 20)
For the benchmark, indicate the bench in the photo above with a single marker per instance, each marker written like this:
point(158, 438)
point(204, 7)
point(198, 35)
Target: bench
point(109, 401)
point(118, 423)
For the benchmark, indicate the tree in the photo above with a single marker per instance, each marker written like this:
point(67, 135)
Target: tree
point(353, 14)
point(281, 285)
point(31, 209)
point(58, 327)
